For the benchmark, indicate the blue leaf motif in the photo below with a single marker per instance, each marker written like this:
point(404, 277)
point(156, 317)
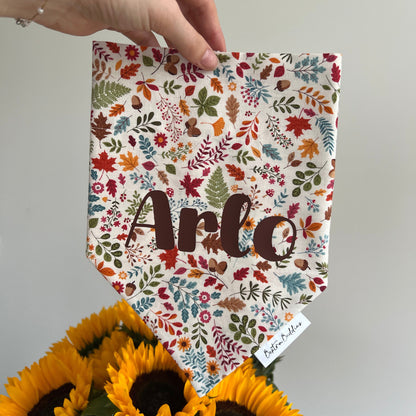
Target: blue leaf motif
point(328, 134)
point(271, 151)
point(93, 198)
point(143, 304)
point(194, 310)
point(121, 125)
point(146, 147)
point(293, 283)
point(280, 201)
point(185, 315)
point(191, 285)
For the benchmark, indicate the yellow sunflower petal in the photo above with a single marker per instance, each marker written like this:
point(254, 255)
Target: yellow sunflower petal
point(146, 361)
point(133, 324)
point(88, 335)
point(63, 369)
point(245, 389)
point(164, 411)
point(105, 355)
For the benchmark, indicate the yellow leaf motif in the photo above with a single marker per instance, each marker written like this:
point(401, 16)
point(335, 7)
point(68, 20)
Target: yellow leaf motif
point(256, 152)
point(184, 107)
point(195, 273)
point(309, 147)
point(320, 192)
point(129, 161)
point(218, 126)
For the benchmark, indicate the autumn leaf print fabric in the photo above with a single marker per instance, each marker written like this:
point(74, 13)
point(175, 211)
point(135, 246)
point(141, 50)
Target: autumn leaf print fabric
point(210, 194)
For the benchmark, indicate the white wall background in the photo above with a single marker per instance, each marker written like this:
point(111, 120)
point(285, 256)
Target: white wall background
point(358, 357)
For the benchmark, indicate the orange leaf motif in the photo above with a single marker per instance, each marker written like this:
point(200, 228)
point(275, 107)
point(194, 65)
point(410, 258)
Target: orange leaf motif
point(184, 107)
point(116, 110)
point(195, 273)
point(146, 93)
point(218, 126)
point(106, 271)
point(309, 147)
point(256, 152)
point(235, 172)
point(261, 277)
point(308, 226)
point(129, 161)
point(146, 86)
point(216, 85)
point(129, 71)
point(169, 256)
point(320, 192)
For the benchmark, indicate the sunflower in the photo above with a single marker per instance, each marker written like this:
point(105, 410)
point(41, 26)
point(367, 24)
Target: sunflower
point(59, 384)
point(105, 355)
point(90, 333)
point(248, 367)
point(133, 325)
point(242, 394)
point(150, 383)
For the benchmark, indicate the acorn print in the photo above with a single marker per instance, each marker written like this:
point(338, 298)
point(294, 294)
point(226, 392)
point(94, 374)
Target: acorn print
point(136, 103)
point(130, 288)
point(302, 264)
point(283, 84)
point(170, 65)
point(220, 267)
point(193, 131)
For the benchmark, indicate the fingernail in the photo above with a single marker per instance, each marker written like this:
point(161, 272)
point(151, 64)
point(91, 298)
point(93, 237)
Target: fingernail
point(209, 60)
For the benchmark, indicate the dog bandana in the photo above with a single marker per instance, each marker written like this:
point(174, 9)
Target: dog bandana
point(210, 194)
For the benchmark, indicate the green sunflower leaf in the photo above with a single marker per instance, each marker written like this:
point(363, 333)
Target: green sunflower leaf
point(100, 406)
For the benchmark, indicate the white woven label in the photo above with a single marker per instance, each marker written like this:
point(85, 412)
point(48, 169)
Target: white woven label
point(276, 345)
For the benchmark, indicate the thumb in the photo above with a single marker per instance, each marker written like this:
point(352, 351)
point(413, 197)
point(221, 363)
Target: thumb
point(167, 20)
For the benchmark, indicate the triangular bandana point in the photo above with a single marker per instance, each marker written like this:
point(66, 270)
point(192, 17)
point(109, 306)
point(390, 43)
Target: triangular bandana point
point(211, 193)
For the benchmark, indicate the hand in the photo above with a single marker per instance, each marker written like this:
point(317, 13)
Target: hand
point(191, 26)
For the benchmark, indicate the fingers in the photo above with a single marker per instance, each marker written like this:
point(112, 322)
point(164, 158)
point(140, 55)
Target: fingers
point(203, 16)
point(142, 37)
point(166, 18)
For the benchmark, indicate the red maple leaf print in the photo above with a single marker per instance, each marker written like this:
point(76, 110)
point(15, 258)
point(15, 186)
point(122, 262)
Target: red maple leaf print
point(211, 351)
point(329, 57)
point(111, 186)
point(298, 124)
point(190, 185)
point(335, 73)
point(241, 274)
point(103, 162)
point(169, 256)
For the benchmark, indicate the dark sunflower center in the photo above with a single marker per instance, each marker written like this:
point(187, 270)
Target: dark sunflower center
point(229, 408)
point(93, 345)
point(150, 391)
point(45, 406)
